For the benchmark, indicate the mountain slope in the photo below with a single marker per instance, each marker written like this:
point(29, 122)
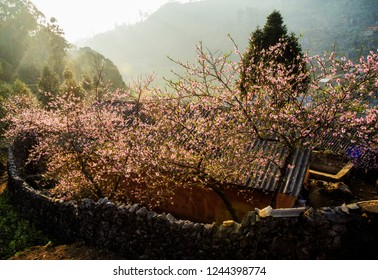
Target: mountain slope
point(175, 29)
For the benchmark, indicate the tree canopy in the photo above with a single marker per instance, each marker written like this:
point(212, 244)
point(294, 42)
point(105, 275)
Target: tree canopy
point(273, 33)
point(200, 130)
point(35, 53)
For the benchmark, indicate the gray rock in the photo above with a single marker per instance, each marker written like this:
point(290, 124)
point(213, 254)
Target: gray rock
point(339, 217)
point(336, 189)
point(151, 215)
point(246, 222)
point(170, 218)
point(336, 242)
point(134, 208)
point(103, 200)
point(208, 228)
point(187, 225)
point(289, 212)
point(252, 218)
point(162, 217)
point(332, 233)
point(176, 226)
point(109, 204)
point(243, 243)
point(142, 212)
point(198, 227)
point(353, 206)
point(87, 203)
point(339, 228)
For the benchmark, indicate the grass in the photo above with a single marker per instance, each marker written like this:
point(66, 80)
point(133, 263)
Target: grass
point(16, 233)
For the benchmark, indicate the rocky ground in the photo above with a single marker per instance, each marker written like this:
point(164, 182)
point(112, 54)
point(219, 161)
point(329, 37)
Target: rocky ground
point(357, 188)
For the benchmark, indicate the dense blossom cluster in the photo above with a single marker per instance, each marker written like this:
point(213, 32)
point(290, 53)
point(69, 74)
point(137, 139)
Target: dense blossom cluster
point(202, 129)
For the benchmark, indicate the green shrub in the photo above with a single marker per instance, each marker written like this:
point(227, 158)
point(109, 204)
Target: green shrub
point(16, 233)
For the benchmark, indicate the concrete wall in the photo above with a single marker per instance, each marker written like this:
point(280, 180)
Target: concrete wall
point(328, 233)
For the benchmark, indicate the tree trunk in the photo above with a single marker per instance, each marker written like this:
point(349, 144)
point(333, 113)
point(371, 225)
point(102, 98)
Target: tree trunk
point(225, 200)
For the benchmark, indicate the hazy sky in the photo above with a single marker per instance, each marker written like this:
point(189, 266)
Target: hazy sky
point(84, 18)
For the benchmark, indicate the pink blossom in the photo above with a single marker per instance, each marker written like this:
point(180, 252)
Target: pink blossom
point(200, 127)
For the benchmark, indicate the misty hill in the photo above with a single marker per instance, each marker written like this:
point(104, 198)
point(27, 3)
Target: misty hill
point(31, 44)
point(174, 30)
point(89, 65)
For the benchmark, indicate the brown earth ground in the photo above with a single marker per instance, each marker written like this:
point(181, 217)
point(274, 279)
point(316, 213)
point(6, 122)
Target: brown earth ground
point(76, 251)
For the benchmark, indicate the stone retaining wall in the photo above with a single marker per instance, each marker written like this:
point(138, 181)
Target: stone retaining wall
point(135, 232)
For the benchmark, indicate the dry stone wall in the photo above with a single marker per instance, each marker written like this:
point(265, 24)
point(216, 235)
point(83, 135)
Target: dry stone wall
point(137, 233)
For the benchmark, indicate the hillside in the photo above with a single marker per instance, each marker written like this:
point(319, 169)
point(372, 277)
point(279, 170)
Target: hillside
point(176, 28)
point(32, 47)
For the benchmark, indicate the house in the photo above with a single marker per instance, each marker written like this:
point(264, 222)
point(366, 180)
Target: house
point(370, 30)
point(267, 177)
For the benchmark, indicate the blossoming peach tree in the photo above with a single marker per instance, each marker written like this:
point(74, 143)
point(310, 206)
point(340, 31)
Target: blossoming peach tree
point(200, 129)
point(223, 122)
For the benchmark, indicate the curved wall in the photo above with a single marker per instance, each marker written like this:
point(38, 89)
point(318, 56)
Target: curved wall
point(136, 233)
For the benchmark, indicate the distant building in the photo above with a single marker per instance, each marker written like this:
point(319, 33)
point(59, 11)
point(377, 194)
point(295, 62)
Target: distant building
point(370, 30)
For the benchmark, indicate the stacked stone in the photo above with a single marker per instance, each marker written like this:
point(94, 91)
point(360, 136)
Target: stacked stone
point(348, 231)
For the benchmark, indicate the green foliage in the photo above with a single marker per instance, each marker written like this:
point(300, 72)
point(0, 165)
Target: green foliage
point(33, 58)
point(5, 90)
point(48, 85)
point(16, 94)
point(15, 89)
point(70, 86)
point(19, 20)
point(58, 46)
point(20, 88)
point(16, 233)
point(274, 32)
point(94, 70)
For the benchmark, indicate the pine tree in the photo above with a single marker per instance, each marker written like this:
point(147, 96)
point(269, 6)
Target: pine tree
point(274, 32)
point(48, 85)
point(70, 87)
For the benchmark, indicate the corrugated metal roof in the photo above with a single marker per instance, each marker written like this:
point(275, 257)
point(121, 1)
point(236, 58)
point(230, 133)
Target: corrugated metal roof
point(336, 144)
point(295, 176)
point(266, 176)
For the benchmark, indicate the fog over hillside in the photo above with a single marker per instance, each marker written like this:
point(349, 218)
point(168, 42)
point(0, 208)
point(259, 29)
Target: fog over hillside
point(176, 28)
